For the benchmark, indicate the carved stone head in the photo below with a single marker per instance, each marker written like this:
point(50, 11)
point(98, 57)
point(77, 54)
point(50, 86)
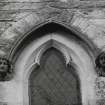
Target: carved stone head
point(4, 65)
point(100, 61)
point(5, 69)
point(100, 64)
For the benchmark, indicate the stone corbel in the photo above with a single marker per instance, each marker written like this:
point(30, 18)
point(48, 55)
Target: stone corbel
point(100, 64)
point(6, 69)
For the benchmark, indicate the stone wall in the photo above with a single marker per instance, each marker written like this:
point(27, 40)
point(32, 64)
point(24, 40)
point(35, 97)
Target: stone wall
point(19, 17)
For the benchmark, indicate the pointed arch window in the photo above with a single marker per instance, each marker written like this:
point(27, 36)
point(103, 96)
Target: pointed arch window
point(53, 83)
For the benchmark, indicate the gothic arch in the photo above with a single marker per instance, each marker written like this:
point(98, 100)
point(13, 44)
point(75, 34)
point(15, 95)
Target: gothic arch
point(74, 46)
point(60, 54)
point(73, 52)
point(45, 45)
point(51, 26)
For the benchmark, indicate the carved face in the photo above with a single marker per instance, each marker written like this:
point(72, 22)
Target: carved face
point(102, 59)
point(4, 65)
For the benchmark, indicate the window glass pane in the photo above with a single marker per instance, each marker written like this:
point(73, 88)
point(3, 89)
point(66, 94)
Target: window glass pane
point(53, 83)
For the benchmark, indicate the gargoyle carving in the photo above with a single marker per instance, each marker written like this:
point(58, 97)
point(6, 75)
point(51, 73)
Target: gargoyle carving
point(5, 69)
point(100, 64)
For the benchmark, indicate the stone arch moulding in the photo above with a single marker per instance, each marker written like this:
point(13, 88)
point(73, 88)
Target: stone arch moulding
point(51, 43)
point(66, 40)
point(37, 56)
point(22, 39)
point(73, 53)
